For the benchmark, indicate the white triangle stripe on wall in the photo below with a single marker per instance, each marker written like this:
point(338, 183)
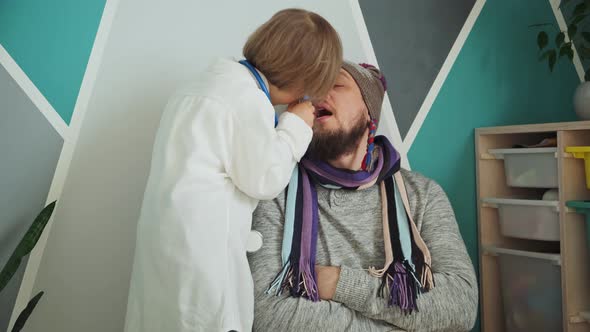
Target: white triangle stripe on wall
point(33, 93)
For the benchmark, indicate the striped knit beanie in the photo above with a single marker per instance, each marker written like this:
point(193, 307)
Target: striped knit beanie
point(372, 84)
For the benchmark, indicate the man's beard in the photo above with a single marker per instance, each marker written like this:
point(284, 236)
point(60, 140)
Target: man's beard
point(330, 145)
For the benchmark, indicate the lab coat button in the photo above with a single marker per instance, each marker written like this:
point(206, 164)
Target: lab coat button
point(254, 242)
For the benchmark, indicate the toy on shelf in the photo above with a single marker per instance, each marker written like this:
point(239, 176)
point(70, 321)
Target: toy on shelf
point(582, 152)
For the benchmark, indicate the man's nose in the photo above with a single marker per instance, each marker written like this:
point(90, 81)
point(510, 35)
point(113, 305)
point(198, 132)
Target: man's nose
point(316, 100)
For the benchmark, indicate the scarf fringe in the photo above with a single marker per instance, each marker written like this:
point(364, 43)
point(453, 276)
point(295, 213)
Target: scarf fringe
point(403, 287)
point(299, 282)
point(378, 273)
point(307, 277)
point(278, 284)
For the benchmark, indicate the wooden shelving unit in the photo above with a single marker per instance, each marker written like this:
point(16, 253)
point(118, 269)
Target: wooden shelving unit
point(572, 247)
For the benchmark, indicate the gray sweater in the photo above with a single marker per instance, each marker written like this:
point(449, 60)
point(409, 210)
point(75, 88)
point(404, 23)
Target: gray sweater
point(351, 236)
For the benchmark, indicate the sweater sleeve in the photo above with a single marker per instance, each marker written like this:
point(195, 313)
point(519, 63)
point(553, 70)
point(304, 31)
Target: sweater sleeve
point(283, 313)
point(262, 157)
point(451, 305)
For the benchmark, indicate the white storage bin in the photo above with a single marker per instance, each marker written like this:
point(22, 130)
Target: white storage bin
point(529, 168)
point(527, 219)
point(531, 290)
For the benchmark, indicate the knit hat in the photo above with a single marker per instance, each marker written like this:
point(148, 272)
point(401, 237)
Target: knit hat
point(372, 84)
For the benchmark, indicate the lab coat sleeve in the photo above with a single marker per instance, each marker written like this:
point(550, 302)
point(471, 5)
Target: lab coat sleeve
point(263, 157)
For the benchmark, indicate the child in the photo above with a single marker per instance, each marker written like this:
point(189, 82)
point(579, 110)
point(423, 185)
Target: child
point(216, 154)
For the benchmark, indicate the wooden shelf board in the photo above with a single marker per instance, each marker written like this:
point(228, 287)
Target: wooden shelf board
point(534, 128)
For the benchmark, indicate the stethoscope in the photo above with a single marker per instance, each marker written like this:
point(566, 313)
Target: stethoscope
point(254, 242)
point(260, 82)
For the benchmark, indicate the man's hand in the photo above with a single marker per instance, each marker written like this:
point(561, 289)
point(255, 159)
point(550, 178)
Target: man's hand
point(327, 280)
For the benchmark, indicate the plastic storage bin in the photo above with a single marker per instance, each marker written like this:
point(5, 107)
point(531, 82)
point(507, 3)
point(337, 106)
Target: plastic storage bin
point(528, 219)
point(531, 290)
point(529, 168)
point(582, 152)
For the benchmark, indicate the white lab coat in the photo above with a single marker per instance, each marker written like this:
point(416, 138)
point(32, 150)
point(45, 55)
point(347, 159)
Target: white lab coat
point(215, 155)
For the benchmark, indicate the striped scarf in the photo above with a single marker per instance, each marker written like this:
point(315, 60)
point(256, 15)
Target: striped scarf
point(406, 272)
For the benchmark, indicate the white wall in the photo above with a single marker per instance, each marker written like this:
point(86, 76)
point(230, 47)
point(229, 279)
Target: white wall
point(153, 47)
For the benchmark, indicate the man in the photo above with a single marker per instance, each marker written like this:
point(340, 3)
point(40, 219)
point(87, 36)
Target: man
point(427, 282)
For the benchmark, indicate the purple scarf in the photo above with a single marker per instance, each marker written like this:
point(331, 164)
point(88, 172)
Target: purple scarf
point(407, 267)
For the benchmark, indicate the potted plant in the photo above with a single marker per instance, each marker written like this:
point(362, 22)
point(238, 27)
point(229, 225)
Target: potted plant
point(554, 44)
point(24, 247)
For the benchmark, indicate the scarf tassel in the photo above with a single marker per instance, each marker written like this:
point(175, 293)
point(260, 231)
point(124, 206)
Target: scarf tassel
point(403, 287)
point(300, 282)
point(278, 284)
point(307, 277)
point(368, 159)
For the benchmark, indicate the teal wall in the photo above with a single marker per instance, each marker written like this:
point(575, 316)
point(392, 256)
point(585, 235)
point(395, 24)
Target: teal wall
point(51, 41)
point(496, 80)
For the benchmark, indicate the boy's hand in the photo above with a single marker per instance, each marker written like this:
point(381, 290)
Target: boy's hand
point(304, 110)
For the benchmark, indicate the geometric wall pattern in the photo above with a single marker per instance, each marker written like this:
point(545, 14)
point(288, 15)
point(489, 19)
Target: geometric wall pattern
point(450, 71)
point(45, 48)
point(51, 42)
point(411, 40)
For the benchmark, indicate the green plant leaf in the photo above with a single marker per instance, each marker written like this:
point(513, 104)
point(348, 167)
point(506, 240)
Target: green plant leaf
point(26, 313)
point(562, 51)
point(545, 55)
point(572, 29)
point(27, 243)
point(552, 59)
point(542, 40)
point(579, 9)
point(559, 39)
point(566, 50)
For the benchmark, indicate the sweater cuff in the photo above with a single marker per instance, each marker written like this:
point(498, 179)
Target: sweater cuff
point(296, 133)
point(353, 288)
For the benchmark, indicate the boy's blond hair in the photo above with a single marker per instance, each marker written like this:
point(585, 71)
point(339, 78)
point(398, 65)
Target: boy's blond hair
point(297, 50)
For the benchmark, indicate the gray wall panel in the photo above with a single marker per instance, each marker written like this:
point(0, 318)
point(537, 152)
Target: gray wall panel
point(411, 40)
point(29, 151)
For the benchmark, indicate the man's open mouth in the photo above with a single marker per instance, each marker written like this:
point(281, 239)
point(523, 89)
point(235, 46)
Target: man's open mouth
point(322, 112)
